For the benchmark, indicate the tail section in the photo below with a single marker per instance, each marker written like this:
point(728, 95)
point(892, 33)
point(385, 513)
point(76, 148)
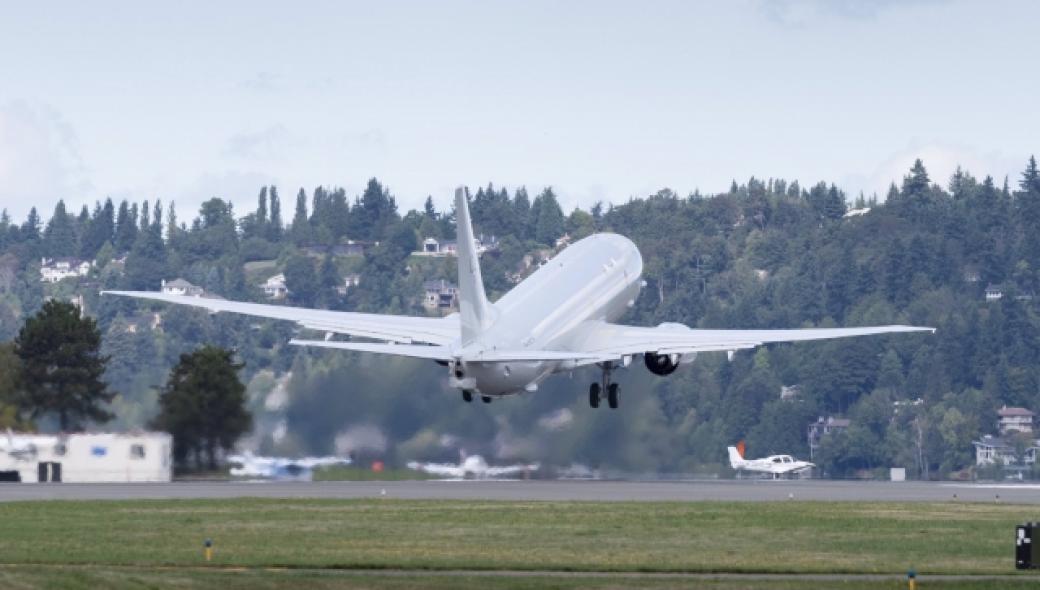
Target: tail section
point(474, 309)
point(736, 461)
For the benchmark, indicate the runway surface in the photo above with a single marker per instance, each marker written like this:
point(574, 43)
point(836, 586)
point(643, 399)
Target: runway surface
point(602, 491)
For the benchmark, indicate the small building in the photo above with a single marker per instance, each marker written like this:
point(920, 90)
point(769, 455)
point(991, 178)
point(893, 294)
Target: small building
point(349, 281)
point(181, 287)
point(1001, 451)
point(441, 248)
point(822, 427)
point(87, 457)
point(1014, 420)
point(53, 270)
point(994, 292)
point(274, 287)
point(440, 294)
point(790, 392)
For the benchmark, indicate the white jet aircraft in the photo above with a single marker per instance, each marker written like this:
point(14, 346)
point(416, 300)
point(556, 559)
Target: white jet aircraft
point(775, 465)
point(471, 467)
point(556, 320)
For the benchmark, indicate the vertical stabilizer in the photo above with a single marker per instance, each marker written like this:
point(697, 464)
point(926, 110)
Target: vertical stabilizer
point(735, 460)
point(474, 309)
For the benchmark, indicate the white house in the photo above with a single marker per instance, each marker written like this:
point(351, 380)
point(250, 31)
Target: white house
point(998, 450)
point(53, 270)
point(1014, 420)
point(441, 248)
point(77, 458)
point(351, 280)
point(994, 293)
point(274, 287)
point(181, 287)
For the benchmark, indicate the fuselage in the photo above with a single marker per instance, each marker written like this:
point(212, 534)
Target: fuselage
point(595, 279)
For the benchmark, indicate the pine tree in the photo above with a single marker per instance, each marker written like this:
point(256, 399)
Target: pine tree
point(550, 222)
point(203, 405)
point(62, 366)
point(59, 239)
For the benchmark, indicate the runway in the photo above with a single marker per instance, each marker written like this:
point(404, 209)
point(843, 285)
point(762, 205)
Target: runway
point(541, 490)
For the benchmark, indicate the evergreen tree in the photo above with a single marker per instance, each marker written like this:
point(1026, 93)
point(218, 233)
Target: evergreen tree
point(203, 405)
point(300, 231)
point(59, 239)
point(62, 366)
point(274, 222)
point(550, 222)
point(301, 280)
point(126, 228)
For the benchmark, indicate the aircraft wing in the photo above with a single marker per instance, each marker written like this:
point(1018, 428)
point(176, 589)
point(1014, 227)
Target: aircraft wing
point(442, 469)
point(447, 353)
point(367, 325)
point(510, 470)
point(612, 341)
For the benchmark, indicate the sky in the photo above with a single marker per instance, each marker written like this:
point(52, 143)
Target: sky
point(603, 101)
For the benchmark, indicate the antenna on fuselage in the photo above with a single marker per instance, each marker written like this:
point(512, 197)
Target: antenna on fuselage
point(474, 309)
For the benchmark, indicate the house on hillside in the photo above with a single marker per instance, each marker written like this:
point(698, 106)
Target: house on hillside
point(440, 248)
point(349, 281)
point(274, 287)
point(994, 292)
point(53, 270)
point(1004, 450)
point(181, 287)
point(1014, 420)
point(822, 427)
point(440, 294)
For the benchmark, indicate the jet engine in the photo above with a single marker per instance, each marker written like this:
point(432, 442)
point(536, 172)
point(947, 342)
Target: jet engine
point(661, 364)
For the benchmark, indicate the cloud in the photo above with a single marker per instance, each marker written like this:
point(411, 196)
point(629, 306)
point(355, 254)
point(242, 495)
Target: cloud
point(40, 159)
point(262, 83)
point(265, 145)
point(240, 188)
point(803, 12)
point(941, 160)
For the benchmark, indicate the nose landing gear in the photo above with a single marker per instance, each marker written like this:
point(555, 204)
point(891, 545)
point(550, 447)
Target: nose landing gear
point(467, 395)
point(596, 390)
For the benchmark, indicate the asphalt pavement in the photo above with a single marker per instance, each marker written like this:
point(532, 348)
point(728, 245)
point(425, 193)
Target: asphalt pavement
point(541, 490)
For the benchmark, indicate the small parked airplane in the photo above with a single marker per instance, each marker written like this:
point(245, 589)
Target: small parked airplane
point(471, 467)
point(775, 465)
point(556, 320)
point(281, 468)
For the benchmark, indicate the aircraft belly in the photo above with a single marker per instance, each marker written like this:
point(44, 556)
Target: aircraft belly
point(505, 378)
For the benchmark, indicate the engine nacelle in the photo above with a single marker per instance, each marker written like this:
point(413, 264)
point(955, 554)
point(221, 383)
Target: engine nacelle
point(661, 364)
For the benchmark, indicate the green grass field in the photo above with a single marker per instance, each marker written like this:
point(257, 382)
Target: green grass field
point(317, 543)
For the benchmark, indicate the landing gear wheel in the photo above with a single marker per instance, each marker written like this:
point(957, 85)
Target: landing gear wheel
point(594, 395)
point(485, 399)
point(467, 395)
point(612, 396)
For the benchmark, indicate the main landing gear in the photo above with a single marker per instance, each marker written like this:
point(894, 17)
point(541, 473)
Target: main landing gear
point(596, 389)
point(467, 396)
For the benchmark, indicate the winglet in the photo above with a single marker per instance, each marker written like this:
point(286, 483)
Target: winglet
point(474, 309)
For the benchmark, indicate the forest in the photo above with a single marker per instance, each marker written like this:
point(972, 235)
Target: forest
point(764, 254)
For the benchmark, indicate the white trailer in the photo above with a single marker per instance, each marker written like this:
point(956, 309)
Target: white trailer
point(87, 457)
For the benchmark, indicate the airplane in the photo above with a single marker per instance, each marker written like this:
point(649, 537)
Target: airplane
point(775, 465)
point(558, 319)
point(281, 468)
point(471, 467)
